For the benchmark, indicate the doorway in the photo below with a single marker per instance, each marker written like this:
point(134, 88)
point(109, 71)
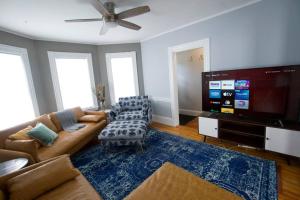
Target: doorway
point(189, 65)
point(173, 51)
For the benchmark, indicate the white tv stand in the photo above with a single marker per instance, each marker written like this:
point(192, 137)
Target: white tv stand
point(259, 134)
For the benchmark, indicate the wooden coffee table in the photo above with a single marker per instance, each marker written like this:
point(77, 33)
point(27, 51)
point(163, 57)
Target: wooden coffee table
point(11, 166)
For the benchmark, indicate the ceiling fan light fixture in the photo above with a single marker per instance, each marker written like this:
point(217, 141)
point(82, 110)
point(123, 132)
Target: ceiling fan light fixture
point(111, 24)
point(111, 19)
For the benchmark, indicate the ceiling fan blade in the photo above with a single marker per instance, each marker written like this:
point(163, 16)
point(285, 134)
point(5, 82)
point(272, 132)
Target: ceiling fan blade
point(133, 12)
point(83, 20)
point(129, 25)
point(100, 7)
point(103, 29)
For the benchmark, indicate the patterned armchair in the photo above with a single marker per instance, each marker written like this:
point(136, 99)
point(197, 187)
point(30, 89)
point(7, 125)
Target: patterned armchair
point(132, 108)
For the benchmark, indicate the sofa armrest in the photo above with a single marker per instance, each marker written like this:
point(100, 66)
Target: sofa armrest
point(10, 154)
point(32, 184)
point(27, 146)
point(3, 179)
point(114, 112)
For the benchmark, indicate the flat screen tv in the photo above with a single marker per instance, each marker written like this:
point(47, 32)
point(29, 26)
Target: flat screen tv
point(262, 93)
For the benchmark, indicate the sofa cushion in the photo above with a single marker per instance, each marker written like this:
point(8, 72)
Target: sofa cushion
point(55, 121)
point(75, 189)
point(172, 182)
point(28, 186)
point(66, 141)
point(44, 119)
point(43, 134)
point(22, 135)
point(26, 146)
point(130, 115)
point(78, 112)
point(91, 118)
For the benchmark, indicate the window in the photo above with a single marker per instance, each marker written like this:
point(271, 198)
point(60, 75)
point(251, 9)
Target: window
point(73, 79)
point(122, 75)
point(18, 102)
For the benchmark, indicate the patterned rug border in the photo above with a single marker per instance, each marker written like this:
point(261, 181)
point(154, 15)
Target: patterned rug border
point(212, 145)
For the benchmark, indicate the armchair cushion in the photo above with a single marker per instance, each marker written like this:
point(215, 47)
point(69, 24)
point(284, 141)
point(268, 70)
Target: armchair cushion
point(124, 110)
point(33, 183)
point(130, 115)
point(131, 103)
point(91, 118)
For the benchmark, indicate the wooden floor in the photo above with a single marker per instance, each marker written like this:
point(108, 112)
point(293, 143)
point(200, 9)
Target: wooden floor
point(288, 175)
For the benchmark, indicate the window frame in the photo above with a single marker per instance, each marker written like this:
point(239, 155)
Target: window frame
point(52, 55)
point(22, 52)
point(109, 56)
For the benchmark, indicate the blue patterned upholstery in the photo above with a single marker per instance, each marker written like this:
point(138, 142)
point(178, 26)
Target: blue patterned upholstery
point(130, 115)
point(135, 107)
point(124, 133)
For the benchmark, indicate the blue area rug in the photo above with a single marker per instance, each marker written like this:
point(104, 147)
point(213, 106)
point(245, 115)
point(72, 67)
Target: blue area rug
point(116, 172)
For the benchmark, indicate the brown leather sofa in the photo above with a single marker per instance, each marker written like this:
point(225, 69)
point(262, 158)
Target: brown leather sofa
point(66, 143)
point(55, 178)
point(170, 182)
point(6, 155)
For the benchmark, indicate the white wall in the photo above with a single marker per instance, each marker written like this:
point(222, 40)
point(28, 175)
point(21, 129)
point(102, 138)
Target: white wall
point(189, 66)
point(263, 34)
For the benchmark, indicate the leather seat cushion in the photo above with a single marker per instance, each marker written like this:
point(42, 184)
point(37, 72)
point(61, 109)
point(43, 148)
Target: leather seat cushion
point(170, 182)
point(28, 186)
point(66, 141)
point(76, 189)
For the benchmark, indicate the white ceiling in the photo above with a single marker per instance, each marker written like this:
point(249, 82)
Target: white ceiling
point(44, 19)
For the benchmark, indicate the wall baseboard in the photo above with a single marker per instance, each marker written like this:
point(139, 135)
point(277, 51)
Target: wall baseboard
point(189, 112)
point(163, 120)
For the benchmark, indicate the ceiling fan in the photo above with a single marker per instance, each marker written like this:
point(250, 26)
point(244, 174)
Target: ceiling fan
point(111, 19)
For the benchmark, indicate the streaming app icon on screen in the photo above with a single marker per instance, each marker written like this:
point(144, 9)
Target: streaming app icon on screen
point(227, 85)
point(242, 94)
point(214, 85)
point(215, 94)
point(227, 110)
point(241, 104)
point(242, 84)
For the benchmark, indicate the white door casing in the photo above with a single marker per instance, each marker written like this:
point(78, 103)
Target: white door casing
point(205, 44)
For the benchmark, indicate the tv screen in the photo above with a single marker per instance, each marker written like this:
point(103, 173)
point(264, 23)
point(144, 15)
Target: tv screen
point(269, 93)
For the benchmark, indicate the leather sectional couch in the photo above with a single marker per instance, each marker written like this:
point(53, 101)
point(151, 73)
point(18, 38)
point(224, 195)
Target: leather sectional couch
point(55, 178)
point(66, 143)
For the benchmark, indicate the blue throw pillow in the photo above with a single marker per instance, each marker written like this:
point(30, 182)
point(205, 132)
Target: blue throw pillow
point(43, 134)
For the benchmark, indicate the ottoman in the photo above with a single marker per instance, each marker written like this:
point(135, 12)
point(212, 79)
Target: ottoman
point(121, 133)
